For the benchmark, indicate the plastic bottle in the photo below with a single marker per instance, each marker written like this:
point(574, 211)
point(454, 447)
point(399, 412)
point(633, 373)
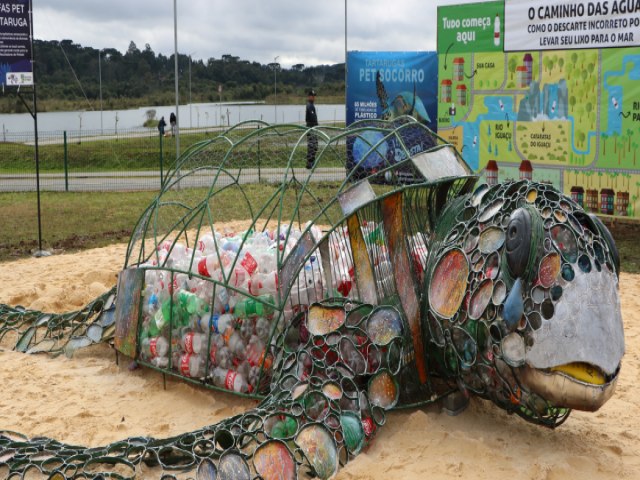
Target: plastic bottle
point(246, 328)
point(160, 362)
point(229, 379)
point(194, 342)
point(263, 283)
point(209, 264)
point(206, 244)
point(221, 323)
point(192, 365)
point(263, 328)
point(251, 307)
point(191, 303)
point(223, 356)
point(255, 351)
point(237, 346)
point(153, 347)
point(216, 342)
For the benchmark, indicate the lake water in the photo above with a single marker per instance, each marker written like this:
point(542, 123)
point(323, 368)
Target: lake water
point(196, 115)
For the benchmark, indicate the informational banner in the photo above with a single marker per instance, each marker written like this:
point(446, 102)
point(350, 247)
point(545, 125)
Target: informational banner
point(568, 116)
point(562, 25)
point(16, 61)
point(386, 85)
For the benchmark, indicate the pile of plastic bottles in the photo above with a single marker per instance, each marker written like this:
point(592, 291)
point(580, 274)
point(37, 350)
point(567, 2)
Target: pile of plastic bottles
point(209, 312)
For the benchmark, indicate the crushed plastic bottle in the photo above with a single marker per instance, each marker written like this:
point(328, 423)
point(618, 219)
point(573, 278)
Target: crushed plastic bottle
point(229, 379)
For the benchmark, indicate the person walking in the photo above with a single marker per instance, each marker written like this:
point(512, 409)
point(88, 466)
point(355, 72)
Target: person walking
point(161, 125)
point(172, 121)
point(311, 119)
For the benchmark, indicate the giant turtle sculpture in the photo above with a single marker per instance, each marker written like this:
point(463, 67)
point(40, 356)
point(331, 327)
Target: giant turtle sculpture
point(406, 287)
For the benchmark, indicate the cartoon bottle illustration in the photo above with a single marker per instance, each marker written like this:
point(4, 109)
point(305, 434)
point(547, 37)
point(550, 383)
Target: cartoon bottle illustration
point(496, 31)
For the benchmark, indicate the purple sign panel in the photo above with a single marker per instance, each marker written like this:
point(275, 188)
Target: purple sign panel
point(16, 61)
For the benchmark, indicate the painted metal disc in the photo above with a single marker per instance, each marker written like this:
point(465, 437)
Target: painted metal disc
point(383, 390)
point(449, 283)
point(491, 240)
point(492, 266)
point(207, 470)
point(233, 467)
point(499, 292)
point(565, 241)
point(384, 325)
point(333, 391)
point(549, 269)
point(532, 195)
point(491, 209)
point(513, 350)
point(273, 460)
point(319, 448)
point(480, 299)
point(353, 432)
point(324, 320)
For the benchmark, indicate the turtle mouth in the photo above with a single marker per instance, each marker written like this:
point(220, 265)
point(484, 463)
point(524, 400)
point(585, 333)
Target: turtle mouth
point(577, 385)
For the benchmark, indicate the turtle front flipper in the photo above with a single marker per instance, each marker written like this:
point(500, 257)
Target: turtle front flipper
point(336, 377)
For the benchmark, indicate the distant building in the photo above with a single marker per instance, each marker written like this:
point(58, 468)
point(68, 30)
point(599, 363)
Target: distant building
point(491, 172)
point(461, 94)
point(528, 65)
point(445, 91)
point(622, 204)
point(458, 68)
point(522, 77)
point(591, 202)
point(577, 195)
point(526, 170)
point(606, 201)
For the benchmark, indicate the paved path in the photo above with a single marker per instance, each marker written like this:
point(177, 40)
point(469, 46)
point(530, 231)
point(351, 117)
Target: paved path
point(150, 180)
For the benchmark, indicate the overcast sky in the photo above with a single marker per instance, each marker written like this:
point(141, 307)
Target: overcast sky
point(296, 31)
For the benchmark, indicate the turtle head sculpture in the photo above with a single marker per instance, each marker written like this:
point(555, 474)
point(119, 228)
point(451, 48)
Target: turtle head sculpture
point(524, 309)
point(401, 284)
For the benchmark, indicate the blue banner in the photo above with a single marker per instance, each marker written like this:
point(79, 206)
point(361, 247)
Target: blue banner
point(386, 85)
point(16, 62)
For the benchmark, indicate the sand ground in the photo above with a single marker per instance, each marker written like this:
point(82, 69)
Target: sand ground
point(91, 400)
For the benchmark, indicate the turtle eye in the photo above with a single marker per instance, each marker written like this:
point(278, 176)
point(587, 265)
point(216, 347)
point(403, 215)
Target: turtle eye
point(518, 242)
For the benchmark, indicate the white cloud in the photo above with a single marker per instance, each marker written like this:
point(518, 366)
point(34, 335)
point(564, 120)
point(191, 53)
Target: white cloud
point(311, 33)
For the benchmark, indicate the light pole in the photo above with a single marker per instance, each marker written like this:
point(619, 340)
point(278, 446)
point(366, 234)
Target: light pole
point(175, 42)
point(275, 89)
point(100, 76)
point(190, 120)
point(345, 58)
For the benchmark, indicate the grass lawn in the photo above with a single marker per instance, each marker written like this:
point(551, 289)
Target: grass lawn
point(77, 221)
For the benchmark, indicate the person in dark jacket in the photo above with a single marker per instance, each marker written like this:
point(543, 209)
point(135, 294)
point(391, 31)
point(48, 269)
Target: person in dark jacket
point(311, 119)
point(161, 125)
point(172, 121)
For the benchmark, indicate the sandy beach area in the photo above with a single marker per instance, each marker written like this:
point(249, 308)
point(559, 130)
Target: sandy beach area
point(91, 400)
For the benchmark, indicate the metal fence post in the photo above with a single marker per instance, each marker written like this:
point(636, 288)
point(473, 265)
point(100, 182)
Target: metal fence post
point(161, 160)
point(66, 164)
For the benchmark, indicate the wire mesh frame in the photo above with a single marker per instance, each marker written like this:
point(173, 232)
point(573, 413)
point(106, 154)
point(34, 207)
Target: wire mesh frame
point(261, 135)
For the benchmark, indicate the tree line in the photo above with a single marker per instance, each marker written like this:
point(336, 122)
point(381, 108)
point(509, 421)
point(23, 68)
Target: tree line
point(69, 75)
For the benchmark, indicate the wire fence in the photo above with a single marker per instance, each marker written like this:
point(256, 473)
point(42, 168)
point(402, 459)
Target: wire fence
point(105, 160)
